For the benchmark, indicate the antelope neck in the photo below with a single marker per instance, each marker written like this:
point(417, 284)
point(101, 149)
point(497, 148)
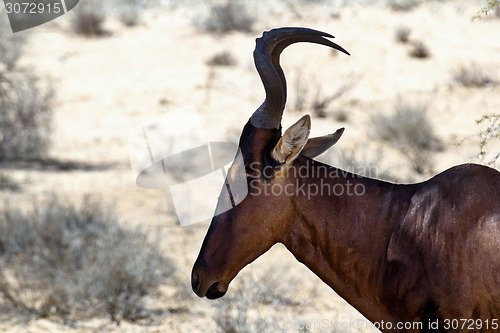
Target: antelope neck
point(337, 248)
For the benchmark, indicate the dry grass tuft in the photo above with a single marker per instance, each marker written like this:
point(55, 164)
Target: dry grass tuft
point(239, 310)
point(88, 18)
point(76, 262)
point(489, 133)
point(228, 15)
point(128, 15)
point(26, 109)
point(402, 5)
point(223, 59)
point(130, 11)
point(402, 35)
point(311, 97)
point(25, 120)
point(7, 183)
point(410, 130)
point(11, 47)
point(472, 76)
point(419, 50)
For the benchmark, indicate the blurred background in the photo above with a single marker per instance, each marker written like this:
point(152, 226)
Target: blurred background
point(83, 249)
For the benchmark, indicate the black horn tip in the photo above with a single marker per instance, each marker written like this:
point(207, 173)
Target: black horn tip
point(296, 31)
point(283, 33)
point(275, 40)
point(341, 49)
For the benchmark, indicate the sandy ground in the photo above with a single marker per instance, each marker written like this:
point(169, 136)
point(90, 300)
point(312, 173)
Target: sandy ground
point(107, 86)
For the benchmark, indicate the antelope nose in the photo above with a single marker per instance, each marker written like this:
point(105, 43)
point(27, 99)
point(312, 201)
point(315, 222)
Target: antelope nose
point(195, 282)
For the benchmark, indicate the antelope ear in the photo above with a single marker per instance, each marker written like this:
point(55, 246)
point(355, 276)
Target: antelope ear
point(293, 141)
point(317, 146)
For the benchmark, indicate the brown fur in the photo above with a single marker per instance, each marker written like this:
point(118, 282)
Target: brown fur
point(397, 253)
point(423, 252)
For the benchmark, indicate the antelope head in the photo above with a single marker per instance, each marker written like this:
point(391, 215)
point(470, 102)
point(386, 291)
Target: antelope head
point(238, 236)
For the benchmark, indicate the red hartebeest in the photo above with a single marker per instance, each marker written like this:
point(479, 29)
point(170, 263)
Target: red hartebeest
point(426, 252)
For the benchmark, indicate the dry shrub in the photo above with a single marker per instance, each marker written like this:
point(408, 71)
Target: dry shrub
point(76, 262)
point(7, 183)
point(26, 116)
point(11, 47)
point(402, 5)
point(222, 59)
point(26, 109)
point(491, 6)
point(419, 50)
point(311, 97)
point(88, 18)
point(403, 35)
point(321, 102)
point(128, 15)
point(129, 11)
point(411, 131)
point(341, 116)
point(472, 76)
point(238, 310)
point(490, 132)
point(228, 15)
point(409, 124)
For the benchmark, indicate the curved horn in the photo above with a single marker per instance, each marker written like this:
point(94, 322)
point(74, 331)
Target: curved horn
point(267, 53)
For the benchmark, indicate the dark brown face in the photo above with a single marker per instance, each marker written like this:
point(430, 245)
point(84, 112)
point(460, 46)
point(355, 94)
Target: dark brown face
point(241, 234)
point(238, 236)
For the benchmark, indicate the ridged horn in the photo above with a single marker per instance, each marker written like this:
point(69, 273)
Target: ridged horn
point(266, 55)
